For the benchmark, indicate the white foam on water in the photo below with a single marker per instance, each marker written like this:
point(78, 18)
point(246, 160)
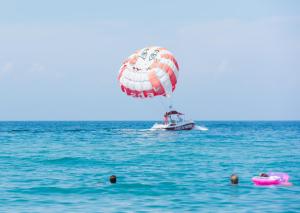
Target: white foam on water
point(157, 126)
point(201, 128)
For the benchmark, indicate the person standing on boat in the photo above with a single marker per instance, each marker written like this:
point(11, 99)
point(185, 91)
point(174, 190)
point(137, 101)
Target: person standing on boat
point(166, 121)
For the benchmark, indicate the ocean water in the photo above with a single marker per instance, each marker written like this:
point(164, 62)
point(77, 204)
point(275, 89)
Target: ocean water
point(65, 166)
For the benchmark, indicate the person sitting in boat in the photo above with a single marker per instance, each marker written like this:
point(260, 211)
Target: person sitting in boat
point(179, 118)
point(173, 122)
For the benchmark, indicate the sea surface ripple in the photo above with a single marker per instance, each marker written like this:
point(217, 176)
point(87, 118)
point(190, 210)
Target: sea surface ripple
point(65, 166)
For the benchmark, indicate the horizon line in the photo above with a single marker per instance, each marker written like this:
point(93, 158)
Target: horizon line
point(209, 120)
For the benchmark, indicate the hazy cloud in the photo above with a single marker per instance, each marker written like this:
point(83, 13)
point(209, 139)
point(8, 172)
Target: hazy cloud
point(223, 66)
point(7, 67)
point(37, 68)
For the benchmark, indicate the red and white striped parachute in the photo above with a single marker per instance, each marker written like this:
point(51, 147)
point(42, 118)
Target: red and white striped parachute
point(149, 72)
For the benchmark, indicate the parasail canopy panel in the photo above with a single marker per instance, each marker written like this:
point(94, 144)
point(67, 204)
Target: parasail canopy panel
point(149, 72)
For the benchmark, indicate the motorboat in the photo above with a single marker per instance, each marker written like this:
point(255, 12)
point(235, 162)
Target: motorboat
point(173, 120)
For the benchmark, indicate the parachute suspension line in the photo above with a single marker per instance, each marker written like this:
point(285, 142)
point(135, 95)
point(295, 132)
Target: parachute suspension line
point(166, 102)
point(170, 102)
point(164, 105)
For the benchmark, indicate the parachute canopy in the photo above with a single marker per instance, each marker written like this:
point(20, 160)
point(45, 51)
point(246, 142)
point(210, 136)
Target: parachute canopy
point(151, 71)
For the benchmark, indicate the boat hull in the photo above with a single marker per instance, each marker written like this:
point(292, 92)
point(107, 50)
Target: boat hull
point(175, 127)
point(187, 126)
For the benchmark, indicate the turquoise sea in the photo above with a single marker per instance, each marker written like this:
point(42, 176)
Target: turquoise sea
point(65, 166)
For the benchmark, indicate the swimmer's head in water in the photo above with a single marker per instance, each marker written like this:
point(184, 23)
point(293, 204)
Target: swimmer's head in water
point(113, 179)
point(234, 179)
point(264, 175)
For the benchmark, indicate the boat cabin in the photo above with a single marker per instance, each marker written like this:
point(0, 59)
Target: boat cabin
point(173, 117)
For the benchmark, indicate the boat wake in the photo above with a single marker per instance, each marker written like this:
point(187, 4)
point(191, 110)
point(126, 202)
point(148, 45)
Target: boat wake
point(200, 128)
point(157, 126)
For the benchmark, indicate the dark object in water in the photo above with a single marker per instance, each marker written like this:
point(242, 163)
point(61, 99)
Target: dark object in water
point(234, 179)
point(263, 175)
point(113, 179)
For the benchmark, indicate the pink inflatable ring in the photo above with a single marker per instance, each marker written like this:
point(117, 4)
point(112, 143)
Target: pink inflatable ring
point(275, 178)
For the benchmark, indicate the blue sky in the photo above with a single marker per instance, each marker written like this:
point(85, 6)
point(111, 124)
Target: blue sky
point(239, 60)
